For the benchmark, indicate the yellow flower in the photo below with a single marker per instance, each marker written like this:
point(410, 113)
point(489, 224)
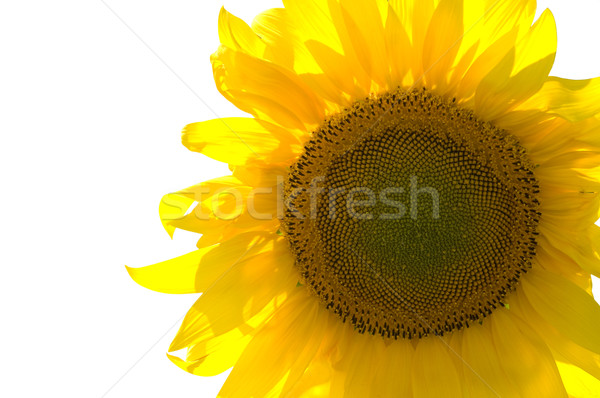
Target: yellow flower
point(410, 212)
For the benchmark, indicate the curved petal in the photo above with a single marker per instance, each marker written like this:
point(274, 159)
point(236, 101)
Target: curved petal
point(482, 370)
point(214, 356)
point(416, 16)
point(265, 90)
point(286, 48)
point(238, 140)
point(442, 370)
point(398, 48)
point(177, 275)
point(578, 383)
point(315, 381)
point(521, 73)
point(565, 306)
point(236, 34)
point(197, 271)
point(291, 339)
point(312, 23)
point(244, 290)
point(361, 362)
point(583, 249)
point(562, 346)
point(527, 361)
point(574, 100)
point(367, 37)
point(273, 27)
point(442, 43)
point(173, 207)
point(393, 377)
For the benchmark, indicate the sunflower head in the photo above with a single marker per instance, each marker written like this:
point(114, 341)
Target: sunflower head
point(410, 212)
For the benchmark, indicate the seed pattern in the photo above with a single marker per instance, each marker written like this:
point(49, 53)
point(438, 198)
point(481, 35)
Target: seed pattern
point(445, 225)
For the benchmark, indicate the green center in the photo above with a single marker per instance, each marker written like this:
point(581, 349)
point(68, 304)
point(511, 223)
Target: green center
point(408, 216)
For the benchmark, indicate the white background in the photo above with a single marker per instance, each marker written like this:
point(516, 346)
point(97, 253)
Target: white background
point(90, 141)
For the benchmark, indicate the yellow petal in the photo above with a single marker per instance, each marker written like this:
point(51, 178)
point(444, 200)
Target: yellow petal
point(559, 263)
point(364, 25)
point(584, 250)
point(266, 90)
point(416, 15)
point(441, 369)
point(578, 383)
point(354, 62)
point(238, 140)
point(196, 271)
point(562, 347)
point(574, 100)
point(526, 361)
point(287, 343)
point(313, 20)
point(442, 42)
point(492, 26)
point(215, 360)
point(393, 377)
point(361, 362)
point(333, 66)
point(482, 65)
point(252, 282)
point(237, 35)
point(177, 275)
point(286, 48)
point(482, 370)
point(565, 306)
point(521, 73)
point(315, 381)
point(274, 28)
point(398, 48)
point(502, 16)
point(173, 207)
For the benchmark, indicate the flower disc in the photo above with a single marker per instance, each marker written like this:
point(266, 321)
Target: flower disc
point(408, 216)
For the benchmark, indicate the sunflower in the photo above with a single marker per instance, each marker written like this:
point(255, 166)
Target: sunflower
point(410, 212)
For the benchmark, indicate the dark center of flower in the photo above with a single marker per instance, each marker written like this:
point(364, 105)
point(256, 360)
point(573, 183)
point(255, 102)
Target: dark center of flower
point(408, 216)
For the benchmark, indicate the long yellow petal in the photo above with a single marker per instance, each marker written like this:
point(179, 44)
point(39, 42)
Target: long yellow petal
point(578, 383)
point(482, 370)
point(315, 381)
point(562, 346)
point(527, 361)
point(574, 100)
point(313, 19)
point(266, 90)
point(521, 73)
point(177, 275)
point(287, 343)
point(565, 306)
point(238, 140)
point(215, 360)
point(393, 376)
point(196, 271)
point(239, 294)
point(585, 250)
point(274, 28)
point(398, 47)
point(367, 37)
point(361, 362)
point(173, 207)
point(236, 34)
point(442, 43)
point(441, 369)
